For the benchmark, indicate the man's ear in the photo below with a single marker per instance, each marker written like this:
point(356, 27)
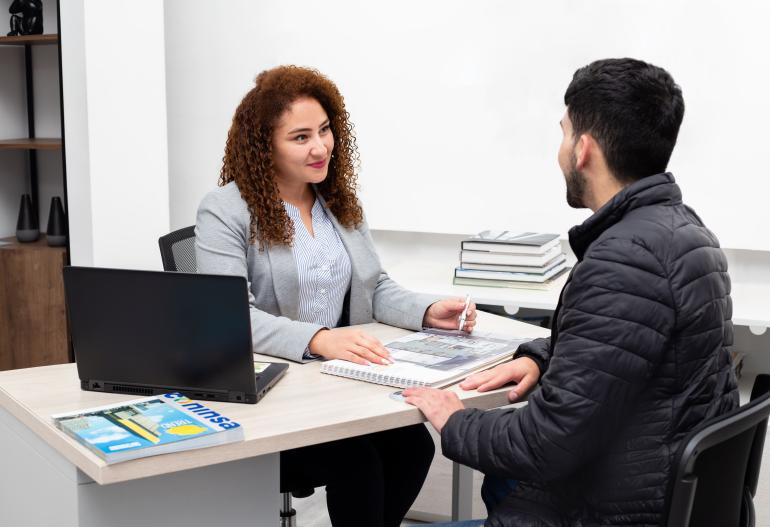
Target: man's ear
point(584, 151)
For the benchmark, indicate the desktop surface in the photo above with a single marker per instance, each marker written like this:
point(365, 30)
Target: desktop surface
point(306, 407)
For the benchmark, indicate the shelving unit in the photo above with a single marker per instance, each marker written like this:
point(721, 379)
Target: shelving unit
point(29, 39)
point(31, 143)
point(33, 323)
point(34, 143)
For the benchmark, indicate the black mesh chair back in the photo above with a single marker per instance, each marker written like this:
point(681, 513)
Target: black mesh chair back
point(717, 467)
point(177, 250)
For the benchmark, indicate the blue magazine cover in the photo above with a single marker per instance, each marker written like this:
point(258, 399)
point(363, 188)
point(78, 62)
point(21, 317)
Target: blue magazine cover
point(148, 426)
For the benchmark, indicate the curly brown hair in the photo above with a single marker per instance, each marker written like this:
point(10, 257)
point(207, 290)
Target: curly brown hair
point(248, 158)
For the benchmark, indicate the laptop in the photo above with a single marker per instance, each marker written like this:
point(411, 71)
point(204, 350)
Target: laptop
point(151, 332)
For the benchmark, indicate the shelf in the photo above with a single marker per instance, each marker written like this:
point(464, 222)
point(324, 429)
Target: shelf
point(29, 39)
point(37, 143)
point(11, 243)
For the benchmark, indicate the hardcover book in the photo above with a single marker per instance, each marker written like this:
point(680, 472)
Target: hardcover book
point(500, 258)
point(511, 276)
point(512, 284)
point(147, 427)
point(509, 242)
point(532, 269)
point(431, 357)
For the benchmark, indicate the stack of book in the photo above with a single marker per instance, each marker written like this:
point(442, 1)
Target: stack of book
point(505, 259)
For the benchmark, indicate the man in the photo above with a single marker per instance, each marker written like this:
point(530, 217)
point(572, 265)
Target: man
point(638, 351)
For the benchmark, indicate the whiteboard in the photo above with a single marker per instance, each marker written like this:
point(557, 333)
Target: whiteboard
point(456, 104)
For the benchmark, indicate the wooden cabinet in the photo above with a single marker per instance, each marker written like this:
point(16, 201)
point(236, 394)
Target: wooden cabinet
point(33, 322)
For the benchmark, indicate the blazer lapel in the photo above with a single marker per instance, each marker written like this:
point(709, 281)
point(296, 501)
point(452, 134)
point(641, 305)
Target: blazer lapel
point(285, 280)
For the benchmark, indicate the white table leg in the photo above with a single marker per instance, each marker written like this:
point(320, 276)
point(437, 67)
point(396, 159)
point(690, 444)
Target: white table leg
point(39, 488)
point(462, 492)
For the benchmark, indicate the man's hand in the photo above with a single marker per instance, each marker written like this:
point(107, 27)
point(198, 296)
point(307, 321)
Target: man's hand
point(349, 344)
point(437, 405)
point(523, 371)
point(445, 314)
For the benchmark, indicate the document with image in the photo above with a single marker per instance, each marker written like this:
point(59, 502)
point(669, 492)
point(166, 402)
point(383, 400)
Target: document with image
point(431, 357)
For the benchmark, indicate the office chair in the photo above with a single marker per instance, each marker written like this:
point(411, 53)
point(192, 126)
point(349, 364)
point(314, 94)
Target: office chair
point(177, 251)
point(717, 467)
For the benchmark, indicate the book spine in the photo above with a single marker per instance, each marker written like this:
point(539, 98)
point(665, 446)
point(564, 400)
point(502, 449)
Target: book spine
point(501, 275)
point(96, 409)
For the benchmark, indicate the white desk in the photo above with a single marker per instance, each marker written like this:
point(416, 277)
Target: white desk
point(751, 306)
point(49, 479)
point(425, 262)
point(435, 278)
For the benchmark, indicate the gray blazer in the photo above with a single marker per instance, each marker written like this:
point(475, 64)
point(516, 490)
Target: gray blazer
point(222, 247)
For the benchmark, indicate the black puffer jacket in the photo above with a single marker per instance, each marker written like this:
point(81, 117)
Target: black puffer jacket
point(637, 358)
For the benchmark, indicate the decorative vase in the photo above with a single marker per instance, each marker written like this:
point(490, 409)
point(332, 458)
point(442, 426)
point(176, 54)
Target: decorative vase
point(57, 224)
point(27, 228)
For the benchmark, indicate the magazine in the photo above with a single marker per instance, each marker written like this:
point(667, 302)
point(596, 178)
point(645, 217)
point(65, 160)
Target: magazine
point(147, 427)
point(431, 357)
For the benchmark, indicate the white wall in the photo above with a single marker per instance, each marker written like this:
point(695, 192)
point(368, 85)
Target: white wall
point(115, 125)
point(75, 101)
point(208, 71)
point(115, 88)
point(457, 103)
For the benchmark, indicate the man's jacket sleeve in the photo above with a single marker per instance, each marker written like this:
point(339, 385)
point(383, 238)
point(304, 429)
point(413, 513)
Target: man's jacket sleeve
point(616, 318)
point(539, 350)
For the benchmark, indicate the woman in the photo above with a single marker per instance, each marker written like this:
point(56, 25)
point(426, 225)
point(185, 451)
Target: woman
point(287, 218)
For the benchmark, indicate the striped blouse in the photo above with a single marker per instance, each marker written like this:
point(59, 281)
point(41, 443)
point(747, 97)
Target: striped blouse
point(323, 267)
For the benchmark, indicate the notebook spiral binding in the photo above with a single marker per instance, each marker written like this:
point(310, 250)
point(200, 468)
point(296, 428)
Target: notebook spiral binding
point(376, 378)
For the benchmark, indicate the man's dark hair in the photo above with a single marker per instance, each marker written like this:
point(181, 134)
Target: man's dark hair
point(632, 109)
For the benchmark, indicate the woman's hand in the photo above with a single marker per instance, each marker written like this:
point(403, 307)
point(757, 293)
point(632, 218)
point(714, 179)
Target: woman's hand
point(523, 371)
point(445, 314)
point(349, 344)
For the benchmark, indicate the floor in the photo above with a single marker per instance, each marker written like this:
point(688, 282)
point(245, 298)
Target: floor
point(311, 512)
point(432, 505)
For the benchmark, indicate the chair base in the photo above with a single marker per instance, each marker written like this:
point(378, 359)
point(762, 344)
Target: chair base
point(289, 518)
point(288, 514)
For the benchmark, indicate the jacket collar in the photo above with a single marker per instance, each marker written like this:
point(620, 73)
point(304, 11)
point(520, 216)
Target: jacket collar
point(651, 190)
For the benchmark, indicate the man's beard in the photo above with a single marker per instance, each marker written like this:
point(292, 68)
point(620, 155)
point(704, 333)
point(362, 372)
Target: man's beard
point(576, 186)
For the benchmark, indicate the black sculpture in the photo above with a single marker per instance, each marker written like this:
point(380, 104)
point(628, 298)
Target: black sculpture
point(26, 17)
point(57, 224)
point(27, 229)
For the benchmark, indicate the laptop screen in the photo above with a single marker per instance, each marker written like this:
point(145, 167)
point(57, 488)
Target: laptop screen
point(161, 330)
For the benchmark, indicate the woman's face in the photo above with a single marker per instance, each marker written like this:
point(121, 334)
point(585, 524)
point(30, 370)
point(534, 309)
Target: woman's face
point(302, 143)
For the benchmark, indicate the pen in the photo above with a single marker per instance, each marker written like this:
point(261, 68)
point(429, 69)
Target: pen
point(465, 312)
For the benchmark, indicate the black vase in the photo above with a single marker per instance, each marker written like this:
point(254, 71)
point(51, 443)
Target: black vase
point(27, 227)
point(57, 224)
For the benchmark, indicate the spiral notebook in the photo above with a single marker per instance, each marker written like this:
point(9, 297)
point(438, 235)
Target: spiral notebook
point(431, 357)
